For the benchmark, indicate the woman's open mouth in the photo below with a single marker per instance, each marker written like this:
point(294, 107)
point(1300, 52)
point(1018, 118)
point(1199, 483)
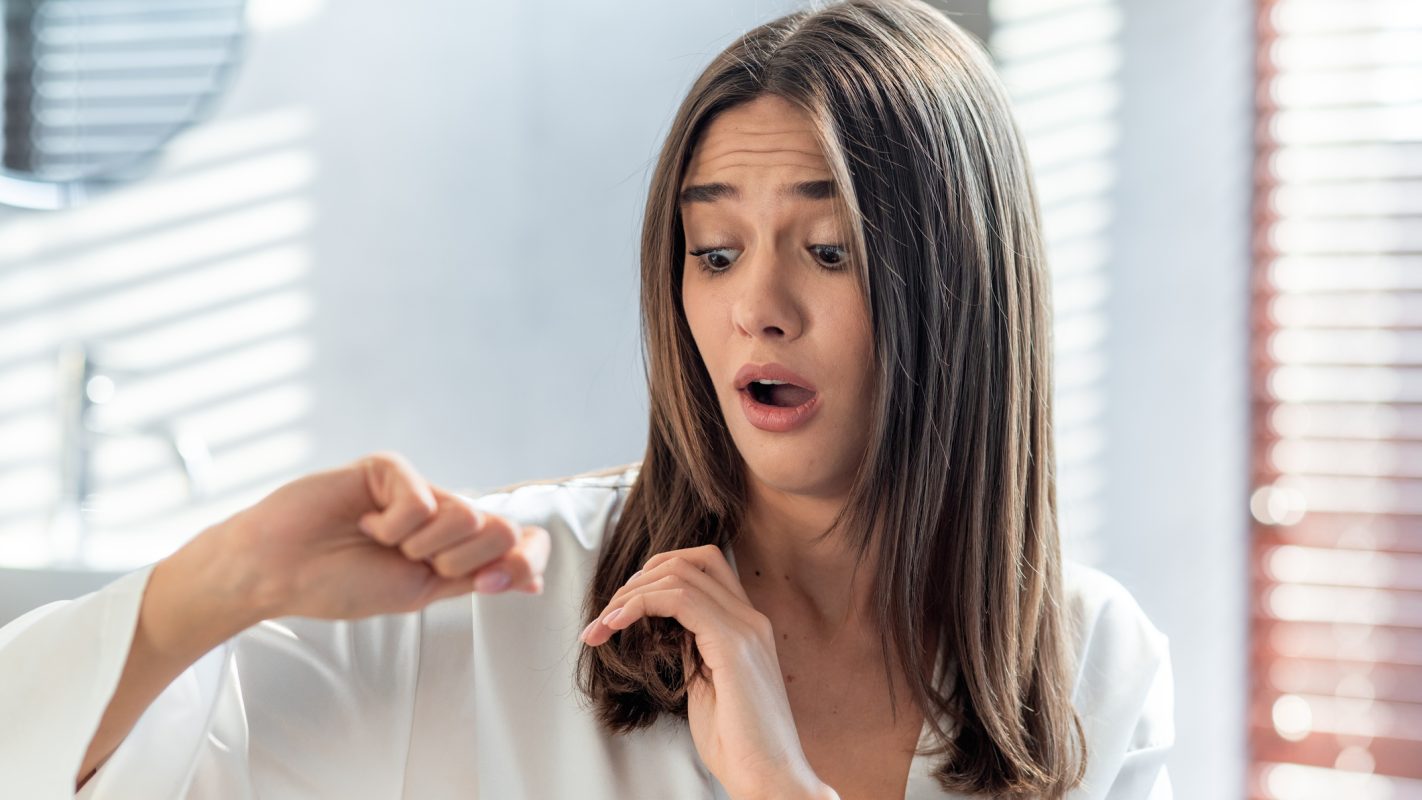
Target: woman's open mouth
point(779, 393)
point(777, 406)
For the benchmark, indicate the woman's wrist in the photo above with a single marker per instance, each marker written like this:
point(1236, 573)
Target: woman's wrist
point(211, 589)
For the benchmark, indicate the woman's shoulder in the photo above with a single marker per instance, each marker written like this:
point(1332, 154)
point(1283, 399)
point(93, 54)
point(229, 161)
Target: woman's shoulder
point(605, 477)
point(1108, 627)
point(580, 504)
point(1123, 686)
point(1103, 605)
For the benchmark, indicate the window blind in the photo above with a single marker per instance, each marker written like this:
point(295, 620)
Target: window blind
point(1336, 678)
point(1060, 61)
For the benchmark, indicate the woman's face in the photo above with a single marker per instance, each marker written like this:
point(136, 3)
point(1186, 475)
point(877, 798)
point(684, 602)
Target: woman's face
point(758, 213)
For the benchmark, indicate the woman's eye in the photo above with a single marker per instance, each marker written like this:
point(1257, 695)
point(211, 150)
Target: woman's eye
point(713, 259)
point(717, 260)
point(832, 256)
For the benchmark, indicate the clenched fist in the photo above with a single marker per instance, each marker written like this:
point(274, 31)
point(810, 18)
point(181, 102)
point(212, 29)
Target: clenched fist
point(373, 537)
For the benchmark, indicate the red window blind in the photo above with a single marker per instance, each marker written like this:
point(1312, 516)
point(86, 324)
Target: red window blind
point(1336, 661)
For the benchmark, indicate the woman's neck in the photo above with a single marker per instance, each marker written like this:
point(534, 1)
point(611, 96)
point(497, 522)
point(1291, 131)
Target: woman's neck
point(781, 564)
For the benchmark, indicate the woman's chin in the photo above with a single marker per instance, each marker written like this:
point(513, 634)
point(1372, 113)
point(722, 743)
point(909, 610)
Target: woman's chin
point(805, 473)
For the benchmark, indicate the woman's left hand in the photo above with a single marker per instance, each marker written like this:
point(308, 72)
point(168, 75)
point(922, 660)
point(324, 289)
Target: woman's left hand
point(739, 714)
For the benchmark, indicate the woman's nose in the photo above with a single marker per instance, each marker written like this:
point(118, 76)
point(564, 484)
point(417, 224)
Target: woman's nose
point(767, 304)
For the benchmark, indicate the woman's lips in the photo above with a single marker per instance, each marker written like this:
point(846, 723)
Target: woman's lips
point(777, 419)
point(772, 371)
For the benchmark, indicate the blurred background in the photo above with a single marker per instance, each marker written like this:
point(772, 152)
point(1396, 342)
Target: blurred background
point(240, 241)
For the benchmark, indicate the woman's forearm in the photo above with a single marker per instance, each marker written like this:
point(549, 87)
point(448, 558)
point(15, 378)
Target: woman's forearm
point(196, 599)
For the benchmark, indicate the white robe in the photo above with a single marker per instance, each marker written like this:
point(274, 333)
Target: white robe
point(473, 697)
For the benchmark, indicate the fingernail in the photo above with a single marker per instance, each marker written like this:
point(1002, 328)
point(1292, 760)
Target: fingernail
point(610, 618)
point(495, 581)
point(584, 634)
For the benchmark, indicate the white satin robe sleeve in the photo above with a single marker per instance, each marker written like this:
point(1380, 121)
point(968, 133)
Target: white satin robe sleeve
point(333, 717)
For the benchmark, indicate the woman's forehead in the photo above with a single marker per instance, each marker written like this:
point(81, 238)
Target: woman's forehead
point(767, 139)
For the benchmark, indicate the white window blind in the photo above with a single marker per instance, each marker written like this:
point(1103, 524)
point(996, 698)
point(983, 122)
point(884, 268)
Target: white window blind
point(1337, 498)
point(1060, 61)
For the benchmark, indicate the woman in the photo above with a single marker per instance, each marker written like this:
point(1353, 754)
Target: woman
point(835, 573)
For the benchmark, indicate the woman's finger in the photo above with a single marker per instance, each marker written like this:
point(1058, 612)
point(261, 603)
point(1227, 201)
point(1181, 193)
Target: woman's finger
point(711, 561)
point(679, 575)
point(685, 568)
point(404, 501)
point(490, 542)
point(676, 599)
point(525, 563)
point(456, 522)
point(528, 558)
point(696, 683)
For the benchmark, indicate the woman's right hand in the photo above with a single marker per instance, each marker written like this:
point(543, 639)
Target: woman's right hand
point(373, 537)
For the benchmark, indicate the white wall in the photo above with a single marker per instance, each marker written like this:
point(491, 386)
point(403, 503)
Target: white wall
point(1177, 450)
point(475, 249)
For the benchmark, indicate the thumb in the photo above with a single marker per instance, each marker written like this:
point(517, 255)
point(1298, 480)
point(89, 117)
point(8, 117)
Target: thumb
point(690, 679)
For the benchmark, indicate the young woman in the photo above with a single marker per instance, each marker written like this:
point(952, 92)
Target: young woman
point(835, 572)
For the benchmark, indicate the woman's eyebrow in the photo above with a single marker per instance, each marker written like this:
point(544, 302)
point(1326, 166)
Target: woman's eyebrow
point(711, 192)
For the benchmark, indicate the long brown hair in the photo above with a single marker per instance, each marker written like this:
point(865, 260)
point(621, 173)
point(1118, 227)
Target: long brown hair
point(956, 492)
